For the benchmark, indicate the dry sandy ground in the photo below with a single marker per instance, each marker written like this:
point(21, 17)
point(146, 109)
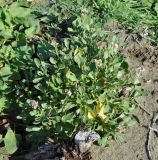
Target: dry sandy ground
point(139, 54)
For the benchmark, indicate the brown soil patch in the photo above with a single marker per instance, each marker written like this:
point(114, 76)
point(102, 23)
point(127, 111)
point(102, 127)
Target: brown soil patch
point(143, 60)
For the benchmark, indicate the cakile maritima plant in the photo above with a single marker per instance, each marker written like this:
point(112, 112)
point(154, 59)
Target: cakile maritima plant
point(57, 80)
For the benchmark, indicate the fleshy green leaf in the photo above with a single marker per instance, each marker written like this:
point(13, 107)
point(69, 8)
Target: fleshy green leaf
point(7, 33)
point(156, 7)
point(1, 157)
point(33, 129)
point(17, 11)
point(10, 142)
point(32, 30)
point(68, 107)
point(71, 76)
point(90, 101)
point(52, 60)
point(37, 80)
point(68, 117)
point(5, 71)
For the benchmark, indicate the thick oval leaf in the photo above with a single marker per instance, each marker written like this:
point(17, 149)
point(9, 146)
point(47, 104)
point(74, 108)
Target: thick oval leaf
point(32, 30)
point(37, 80)
point(156, 7)
point(68, 117)
point(10, 142)
point(5, 71)
point(17, 11)
point(52, 60)
point(33, 129)
point(71, 76)
point(68, 106)
point(1, 157)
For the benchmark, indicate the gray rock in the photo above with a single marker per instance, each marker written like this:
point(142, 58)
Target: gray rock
point(84, 139)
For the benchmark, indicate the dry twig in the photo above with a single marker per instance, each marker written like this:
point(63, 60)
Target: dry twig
point(149, 137)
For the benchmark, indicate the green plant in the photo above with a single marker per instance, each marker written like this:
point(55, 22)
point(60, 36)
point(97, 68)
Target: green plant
point(134, 15)
point(65, 77)
point(11, 141)
point(17, 25)
point(15, 28)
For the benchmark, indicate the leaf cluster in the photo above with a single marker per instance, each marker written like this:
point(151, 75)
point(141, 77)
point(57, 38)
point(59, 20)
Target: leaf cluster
point(56, 78)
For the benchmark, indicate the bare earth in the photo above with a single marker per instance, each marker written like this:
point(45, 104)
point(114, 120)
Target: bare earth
point(143, 59)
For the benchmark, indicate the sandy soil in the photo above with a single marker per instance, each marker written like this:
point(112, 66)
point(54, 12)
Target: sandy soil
point(143, 59)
